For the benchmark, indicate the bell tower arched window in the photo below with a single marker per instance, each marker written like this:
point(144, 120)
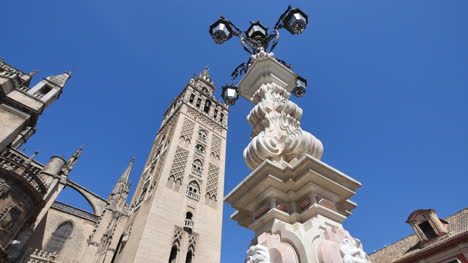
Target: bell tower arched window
point(173, 255)
point(207, 106)
point(200, 149)
point(188, 222)
point(202, 135)
point(193, 190)
point(189, 257)
point(59, 237)
point(197, 167)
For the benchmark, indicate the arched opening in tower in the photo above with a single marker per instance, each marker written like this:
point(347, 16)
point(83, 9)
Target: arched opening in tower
point(173, 255)
point(188, 259)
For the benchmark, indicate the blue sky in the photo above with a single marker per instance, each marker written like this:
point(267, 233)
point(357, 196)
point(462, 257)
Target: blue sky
point(387, 92)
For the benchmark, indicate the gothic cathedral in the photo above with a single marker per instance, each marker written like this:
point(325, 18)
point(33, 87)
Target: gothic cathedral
point(175, 214)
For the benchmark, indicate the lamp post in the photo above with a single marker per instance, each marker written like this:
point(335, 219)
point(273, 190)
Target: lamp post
point(257, 37)
point(293, 202)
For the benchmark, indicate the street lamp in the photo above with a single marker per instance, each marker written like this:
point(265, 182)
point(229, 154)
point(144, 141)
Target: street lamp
point(221, 31)
point(301, 85)
point(230, 94)
point(257, 39)
point(295, 21)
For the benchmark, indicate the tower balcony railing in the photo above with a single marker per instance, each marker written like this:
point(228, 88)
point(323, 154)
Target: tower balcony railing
point(197, 171)
point(200, 152)
point(42, 256)
point(23, 88)
point(15, 161)
point(193, 195)
point(188, 223)
point(13, 77)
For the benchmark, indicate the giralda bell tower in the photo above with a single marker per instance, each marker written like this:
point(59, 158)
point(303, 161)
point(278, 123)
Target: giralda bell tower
point(176, 211)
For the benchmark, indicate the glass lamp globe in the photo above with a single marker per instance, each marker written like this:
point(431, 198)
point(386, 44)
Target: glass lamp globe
point(301, 85)
point(221, 31)
point(295, 21)
point(230, 94)
point(257, 31)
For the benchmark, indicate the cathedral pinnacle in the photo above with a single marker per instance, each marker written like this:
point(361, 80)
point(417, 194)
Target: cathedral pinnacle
point(72, 161)
point(119, 194)
point(205, 75)
point(59, 80)
point(126, 173)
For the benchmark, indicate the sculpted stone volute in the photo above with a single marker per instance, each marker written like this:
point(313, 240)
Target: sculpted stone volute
point(352, 251)
point(258, 254)
point(277, 134)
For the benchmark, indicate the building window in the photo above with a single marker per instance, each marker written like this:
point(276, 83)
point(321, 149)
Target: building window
point(202, 135)
point(188, 222)
point(192, 98)
point(198, 103)
point(199, 149)
point(221, 117)
point(193, 191)
point(207, 106)
point(42, 92)
point(215, 113)
point(427, 230)
point(188, 259)
point(197, 167)
point(173, 255)
point(61, 234)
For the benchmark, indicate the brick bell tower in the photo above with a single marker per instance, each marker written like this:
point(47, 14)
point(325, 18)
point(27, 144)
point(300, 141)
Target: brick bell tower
point(176, 211)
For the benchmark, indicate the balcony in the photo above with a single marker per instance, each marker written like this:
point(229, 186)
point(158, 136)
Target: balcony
point(15, 161)
point(200, 151)
point(193, 195)
point(196, 170)
point(188, 224)
point(41, 256)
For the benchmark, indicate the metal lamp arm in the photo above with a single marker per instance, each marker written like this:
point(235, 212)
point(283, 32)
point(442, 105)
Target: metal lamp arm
point(276, 36)
point(246, 45)
point(279, 23)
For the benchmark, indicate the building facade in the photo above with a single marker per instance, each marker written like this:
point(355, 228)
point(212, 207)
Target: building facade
point(435, 240)
point(177, 206)
point(175, 214)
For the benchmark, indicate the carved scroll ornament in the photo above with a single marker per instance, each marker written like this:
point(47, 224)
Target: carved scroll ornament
point(352, 251)
point(277, 134)
point(258, 254)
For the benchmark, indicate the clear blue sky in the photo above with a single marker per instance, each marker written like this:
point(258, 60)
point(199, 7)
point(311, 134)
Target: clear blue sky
point(387, 92)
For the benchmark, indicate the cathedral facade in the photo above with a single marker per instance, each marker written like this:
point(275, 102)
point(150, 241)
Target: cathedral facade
point(175, 214)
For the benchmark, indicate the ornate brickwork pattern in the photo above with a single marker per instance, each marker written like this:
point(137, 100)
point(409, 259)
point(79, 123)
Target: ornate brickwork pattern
point(187, 130)
point(216, 147)
point(212, 184)
point(157, 173)
point(178, 166)
point(205, 120)
point(178, 236)
point(193, 239)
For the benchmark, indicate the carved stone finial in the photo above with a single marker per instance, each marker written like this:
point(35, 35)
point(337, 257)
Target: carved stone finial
point(277, 134)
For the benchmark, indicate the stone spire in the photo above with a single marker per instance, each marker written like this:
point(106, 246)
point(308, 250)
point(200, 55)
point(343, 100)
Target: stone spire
point(59, 80)
point(72, 161)
point(119, 194)
point(205, 75)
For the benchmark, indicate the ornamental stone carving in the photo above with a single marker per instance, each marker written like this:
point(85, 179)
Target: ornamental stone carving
point(258, 254)
point(4, 189)
point(277, 134)
point(352, 251)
